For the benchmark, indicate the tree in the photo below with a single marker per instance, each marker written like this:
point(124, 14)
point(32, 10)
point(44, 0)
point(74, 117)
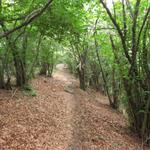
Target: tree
point(134, 41)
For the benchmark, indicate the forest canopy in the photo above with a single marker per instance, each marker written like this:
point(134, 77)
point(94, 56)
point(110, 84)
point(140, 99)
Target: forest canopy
point(106, 44)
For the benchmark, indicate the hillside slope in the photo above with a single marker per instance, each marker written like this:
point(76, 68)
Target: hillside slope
point(61, 117)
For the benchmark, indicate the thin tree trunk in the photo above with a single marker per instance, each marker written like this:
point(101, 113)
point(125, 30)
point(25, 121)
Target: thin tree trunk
point(103, 75)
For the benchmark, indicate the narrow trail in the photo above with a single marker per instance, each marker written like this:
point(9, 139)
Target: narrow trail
point(61, 117)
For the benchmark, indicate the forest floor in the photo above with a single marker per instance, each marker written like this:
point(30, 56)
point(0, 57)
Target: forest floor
point(61, 117)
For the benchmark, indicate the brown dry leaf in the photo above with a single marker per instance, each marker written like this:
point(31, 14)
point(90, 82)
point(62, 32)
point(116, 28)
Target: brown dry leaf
point(60, 120)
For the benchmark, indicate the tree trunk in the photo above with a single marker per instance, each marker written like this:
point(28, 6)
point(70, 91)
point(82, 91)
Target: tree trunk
point(103, 75)
point(43, 69)
point(114, 90)
point(82, 79)
point(20, 69)
point(2, 82)
point(50, 69)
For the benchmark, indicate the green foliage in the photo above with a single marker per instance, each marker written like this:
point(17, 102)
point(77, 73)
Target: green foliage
point(29, 91)
point(107, 51)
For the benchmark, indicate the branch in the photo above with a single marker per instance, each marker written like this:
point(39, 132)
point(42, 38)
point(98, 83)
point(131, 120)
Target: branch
point(124, 18)
point(134, 27)
point(142, 27)
point(95, 26)
point(114, 9)
point(129, 7)
point(30, 18)
point(118, 30)
point(112, 18)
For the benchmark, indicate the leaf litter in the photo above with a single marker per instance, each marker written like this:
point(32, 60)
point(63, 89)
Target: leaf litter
point(62, 117)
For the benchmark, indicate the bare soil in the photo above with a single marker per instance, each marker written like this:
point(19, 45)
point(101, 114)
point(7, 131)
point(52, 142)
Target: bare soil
point(62, 117)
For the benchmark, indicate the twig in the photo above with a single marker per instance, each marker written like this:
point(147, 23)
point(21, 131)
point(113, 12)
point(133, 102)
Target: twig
point(13, 94)
point(29, 19)
point(143, 142)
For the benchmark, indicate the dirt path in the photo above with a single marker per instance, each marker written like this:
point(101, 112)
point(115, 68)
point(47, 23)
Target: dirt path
point(61, 117)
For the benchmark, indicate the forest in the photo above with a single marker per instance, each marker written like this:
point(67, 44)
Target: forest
point(104, 45)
